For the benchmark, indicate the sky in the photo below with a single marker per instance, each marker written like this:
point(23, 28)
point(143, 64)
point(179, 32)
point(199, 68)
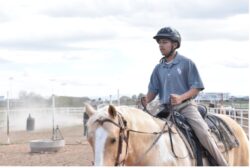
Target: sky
point(94, 48)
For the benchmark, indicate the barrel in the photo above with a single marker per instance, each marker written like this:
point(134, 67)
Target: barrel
point(30, 123)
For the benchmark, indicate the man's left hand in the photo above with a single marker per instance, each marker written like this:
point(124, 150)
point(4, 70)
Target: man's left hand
point(175, 99)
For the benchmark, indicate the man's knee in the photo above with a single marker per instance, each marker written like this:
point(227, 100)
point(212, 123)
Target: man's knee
point(204, 136)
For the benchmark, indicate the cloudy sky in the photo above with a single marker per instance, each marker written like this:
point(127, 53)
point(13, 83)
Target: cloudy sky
point(95, 47)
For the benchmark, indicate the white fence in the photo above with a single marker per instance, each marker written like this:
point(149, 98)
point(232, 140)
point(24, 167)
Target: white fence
point(43, 118)
point(239, 115)
point(74, 116)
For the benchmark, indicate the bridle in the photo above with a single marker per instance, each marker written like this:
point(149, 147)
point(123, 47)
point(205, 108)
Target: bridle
point(122, 125)
point(124, 137)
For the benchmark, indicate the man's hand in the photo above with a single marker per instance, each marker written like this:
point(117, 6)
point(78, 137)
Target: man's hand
point(175, 99)
point(147, 99)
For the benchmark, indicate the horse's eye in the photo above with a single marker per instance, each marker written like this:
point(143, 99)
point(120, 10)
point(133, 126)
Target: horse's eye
point(113, 140)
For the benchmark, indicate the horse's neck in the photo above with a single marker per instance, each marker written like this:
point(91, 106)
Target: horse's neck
point(141, 121)
point(139, 143)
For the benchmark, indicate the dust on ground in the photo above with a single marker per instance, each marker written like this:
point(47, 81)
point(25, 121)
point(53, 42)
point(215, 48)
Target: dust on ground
point(76, 152)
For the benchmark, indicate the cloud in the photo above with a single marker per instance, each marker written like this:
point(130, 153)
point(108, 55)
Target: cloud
point(244, 65)
point(3, 17)
point(5, 12)
point(64, 25)
point(108, 44)
point(41, 33)
point(233, 28)
point(4, 61)
point(235, 63)
point(170, 8)
point(214, 9)
point(199, 20)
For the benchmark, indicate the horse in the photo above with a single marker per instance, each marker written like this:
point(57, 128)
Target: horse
point(122, 135)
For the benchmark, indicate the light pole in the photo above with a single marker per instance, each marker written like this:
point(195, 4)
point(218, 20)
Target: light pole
point(53, 108)
point(52, 85)
point(118, 97)
point(8, 123)
point(8, 110)
point(110, 99)
point(63, 89)
point(53, 116)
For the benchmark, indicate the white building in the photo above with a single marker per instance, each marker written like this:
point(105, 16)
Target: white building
point(213, 96)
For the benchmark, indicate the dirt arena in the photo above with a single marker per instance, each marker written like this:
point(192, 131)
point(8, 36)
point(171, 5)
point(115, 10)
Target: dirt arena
point(76, 152)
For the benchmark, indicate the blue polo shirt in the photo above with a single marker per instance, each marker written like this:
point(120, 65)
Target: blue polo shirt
point(176, 77)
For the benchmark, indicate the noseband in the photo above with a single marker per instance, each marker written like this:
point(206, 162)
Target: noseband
point(122, 125)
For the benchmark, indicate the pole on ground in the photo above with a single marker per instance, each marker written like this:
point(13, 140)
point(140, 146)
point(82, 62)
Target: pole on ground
point(8, 123)
point(53, 116)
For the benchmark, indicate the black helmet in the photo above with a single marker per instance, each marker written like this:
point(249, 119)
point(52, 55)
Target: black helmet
point(169, 33)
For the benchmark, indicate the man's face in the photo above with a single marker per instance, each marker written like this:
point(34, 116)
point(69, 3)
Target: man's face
point(165, 46)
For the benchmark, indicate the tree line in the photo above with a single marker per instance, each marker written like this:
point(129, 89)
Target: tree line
point(33, 100)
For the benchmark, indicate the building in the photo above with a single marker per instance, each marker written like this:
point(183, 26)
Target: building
point(213, 96)
point(1, 98)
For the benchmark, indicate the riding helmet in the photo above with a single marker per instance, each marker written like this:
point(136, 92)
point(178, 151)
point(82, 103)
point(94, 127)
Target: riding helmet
point(168, 33)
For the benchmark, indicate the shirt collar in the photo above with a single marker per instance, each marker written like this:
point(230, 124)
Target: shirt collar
point(176, 59)
point(173, 62)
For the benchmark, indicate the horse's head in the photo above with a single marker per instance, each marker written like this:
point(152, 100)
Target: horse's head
point(107, 135)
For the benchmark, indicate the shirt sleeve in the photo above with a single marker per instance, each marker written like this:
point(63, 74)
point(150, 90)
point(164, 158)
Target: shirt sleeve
point(154, 84)
point(194, 79)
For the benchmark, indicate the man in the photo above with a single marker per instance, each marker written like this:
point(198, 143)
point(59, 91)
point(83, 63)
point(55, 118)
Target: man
point(177, 81)
point(85, 120)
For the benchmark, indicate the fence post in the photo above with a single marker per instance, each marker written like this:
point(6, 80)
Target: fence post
point(241, 118)
point(235, 115)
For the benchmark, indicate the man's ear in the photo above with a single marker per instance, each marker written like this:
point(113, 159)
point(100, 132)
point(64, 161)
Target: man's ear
point(112, 111)
point(175, 44)
point(89, 109)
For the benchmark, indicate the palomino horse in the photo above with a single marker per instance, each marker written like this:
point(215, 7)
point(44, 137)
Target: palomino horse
point(128, 136)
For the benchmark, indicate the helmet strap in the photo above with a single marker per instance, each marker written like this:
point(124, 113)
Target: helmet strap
point(170, 52)
point(164, 58)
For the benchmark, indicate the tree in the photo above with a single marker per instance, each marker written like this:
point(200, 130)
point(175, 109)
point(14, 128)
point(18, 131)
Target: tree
point(32, 99)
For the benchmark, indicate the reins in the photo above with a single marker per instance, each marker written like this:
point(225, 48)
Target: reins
point(122, 125)
point(155, 141)
point(170, 136)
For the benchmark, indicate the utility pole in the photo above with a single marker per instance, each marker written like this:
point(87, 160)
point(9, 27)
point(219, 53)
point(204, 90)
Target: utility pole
point(110, 99)
point(118, 97)
point(222, 99)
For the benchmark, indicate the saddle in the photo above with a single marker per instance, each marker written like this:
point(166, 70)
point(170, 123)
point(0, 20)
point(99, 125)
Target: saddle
point(219, 129)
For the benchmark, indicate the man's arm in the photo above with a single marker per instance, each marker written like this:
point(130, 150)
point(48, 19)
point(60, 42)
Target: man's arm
point(177, 99)
point(150, 96)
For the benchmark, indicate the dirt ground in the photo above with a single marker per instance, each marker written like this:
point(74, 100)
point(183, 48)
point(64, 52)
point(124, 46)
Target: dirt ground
point(77, 151)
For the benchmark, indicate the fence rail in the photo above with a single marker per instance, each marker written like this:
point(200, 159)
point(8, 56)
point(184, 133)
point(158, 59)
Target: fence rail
point(43, 117)
point(75, 114)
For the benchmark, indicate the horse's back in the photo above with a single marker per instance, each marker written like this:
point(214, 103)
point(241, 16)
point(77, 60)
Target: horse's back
point(238, 156)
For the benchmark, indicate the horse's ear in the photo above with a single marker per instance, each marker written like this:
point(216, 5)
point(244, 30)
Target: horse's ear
point(112, 111)
point(89, 109)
